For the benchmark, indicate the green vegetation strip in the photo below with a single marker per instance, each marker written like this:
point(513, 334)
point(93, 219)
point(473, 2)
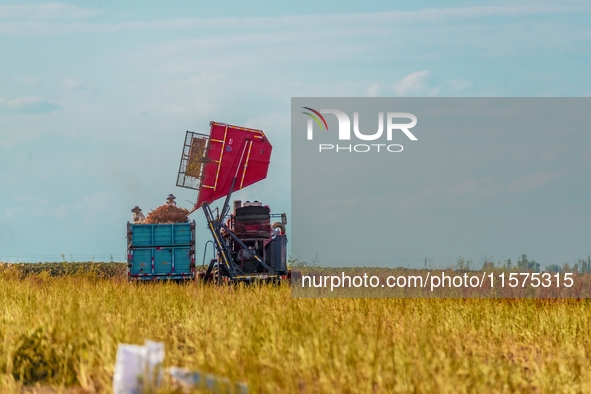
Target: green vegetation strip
point(100, 270)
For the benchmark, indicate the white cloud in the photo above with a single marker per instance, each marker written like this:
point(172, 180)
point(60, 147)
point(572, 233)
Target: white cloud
point(12, 137)
point(91, 208)
point(373, 90)
point(78, 84)
point(97, 206)
point(421, 83)
point(206, 78)
point(28, 80)
point(534, 181)
point(480, 187)
point(20, 102)
point(458, 84)
point(45, 11)
point(28, 207)
point(61, 213)
point(72, 83)
point(27, 105)
point(412, 84)
point(357, 22)
point(462, 192)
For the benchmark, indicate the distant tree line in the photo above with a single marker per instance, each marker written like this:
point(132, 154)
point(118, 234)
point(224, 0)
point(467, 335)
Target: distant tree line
point(582, 266)
point(524, 264)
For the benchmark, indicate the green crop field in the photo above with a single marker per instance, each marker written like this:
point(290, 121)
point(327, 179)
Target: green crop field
point(60, 326)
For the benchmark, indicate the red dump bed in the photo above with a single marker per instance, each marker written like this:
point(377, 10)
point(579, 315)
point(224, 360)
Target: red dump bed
point(233, 151)
point(210, 163)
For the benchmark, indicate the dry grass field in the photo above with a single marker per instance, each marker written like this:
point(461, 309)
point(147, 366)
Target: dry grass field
point(59, 333)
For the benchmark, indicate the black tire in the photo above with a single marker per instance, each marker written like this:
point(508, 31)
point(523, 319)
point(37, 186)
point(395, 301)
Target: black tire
point(215, 275)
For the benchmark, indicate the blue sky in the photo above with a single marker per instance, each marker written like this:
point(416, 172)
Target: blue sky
point(95, 97)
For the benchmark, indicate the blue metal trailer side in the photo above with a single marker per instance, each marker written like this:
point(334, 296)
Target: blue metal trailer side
point(161, 251)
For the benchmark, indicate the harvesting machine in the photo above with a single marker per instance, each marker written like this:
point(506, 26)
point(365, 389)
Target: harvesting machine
point(249, 247)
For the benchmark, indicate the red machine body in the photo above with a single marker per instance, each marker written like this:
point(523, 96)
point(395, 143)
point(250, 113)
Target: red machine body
point(228, 153)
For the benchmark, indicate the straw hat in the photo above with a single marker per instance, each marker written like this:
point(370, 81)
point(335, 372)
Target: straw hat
point(136, 209)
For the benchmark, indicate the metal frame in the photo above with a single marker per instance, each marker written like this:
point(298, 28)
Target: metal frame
point(228, 267)
point(193, 160)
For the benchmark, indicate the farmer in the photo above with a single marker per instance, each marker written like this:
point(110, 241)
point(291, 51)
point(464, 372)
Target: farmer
point(138, 216)
point(170, 200)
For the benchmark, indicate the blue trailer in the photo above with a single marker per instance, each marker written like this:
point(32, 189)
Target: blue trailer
point(161, 251)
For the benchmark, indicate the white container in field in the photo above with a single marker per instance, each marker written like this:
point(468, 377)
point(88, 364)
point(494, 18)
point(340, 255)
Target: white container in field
point(138, 368)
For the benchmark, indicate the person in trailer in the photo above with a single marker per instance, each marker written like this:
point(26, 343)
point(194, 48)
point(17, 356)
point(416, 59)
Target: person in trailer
point(170, 200)
point(137, 216)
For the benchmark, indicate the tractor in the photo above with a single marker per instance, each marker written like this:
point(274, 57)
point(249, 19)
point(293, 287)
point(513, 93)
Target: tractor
point(249, 247)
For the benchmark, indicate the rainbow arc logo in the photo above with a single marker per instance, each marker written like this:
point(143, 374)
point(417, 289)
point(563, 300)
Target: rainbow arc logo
point(315, 116)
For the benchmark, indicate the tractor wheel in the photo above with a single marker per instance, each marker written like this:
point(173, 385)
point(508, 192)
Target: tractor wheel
point(214, 274)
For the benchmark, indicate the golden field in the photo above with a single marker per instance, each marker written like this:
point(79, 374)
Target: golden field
point(59, 333)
